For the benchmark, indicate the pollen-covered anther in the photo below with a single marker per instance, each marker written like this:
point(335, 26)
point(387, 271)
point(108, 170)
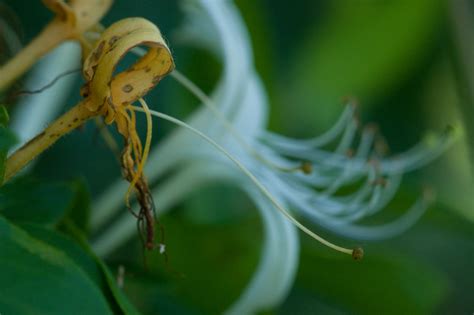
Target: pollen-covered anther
point(357, 253)
point(306, 167)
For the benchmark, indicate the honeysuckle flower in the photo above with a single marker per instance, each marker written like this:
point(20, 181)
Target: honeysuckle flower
point(298, 174)
point(73, 19)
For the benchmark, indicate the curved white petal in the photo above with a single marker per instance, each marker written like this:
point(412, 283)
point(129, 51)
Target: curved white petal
point(277, 268)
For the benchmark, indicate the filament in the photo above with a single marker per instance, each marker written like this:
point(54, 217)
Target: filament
point(146, 150)
point(200, 95)
point(355, 253)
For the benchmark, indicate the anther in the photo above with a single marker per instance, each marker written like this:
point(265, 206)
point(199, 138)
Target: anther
point(357, 253)
point(306, 167)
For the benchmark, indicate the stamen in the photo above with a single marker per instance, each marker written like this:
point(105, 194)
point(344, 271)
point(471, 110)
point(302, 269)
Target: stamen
point(285, 143)
point(355, 253)
point(358, 253)
point(306, 167)
point(200, 95)
point(428, 149)
point(347, 137)
point(146, 150)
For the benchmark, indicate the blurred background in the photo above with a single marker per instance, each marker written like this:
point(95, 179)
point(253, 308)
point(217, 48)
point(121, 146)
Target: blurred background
point(409, 64)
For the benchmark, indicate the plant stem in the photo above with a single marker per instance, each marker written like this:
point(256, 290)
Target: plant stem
point(49, 38)
point(75, 117)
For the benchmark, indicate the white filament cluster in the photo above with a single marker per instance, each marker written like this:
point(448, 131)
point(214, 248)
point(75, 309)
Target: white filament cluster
point(235, 117)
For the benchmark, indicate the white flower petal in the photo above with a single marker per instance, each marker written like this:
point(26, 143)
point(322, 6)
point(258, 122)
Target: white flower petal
point(275, 274)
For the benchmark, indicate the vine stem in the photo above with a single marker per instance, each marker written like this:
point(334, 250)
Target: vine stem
point(72, 119)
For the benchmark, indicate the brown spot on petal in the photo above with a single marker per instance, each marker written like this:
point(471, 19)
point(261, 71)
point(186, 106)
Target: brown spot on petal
point(113, 40)
point(98, 51)
point(127, 88)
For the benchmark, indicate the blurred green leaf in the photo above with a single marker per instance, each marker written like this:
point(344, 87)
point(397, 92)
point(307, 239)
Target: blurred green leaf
point(35, 201)
point(427, 270)
point(204, 260)
point(444, 239)
point(111, 288)
point(80, 209)
point(37, 278)
point(84, 257)
point(69, 247)
point(383, 283)
point(363, 49)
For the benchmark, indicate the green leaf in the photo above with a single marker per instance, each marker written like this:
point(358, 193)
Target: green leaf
point(120, 297)
point(67, 245)
point(7, 139)
point(80, 210)
point(84, 257)
point(112, 288)
point(29, 200)
point(37, 278)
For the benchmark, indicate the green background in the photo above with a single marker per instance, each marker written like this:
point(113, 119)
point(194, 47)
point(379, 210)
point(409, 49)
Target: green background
point(400, 59)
